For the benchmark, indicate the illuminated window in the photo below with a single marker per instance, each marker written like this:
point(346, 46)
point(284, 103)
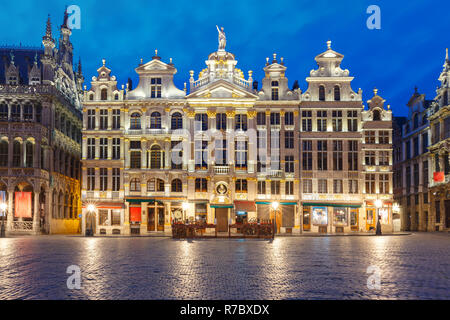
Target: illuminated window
point(155, 87)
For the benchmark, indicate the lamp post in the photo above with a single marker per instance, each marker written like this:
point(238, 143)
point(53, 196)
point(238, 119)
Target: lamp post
point(90, 209)
point(275, 206)
point(3, 207)
point(378, 204)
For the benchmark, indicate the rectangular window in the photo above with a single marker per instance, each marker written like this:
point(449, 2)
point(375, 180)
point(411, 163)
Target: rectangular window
point(337, 120)
point(369, 137)
point(289, 139)
point(90, 179)
point(155, 87)
point(425, 173)
point(321, 121)
point(383, 158)
point(408, 150)
point(352, 120)
point(274, 93)
point(91, 119)
point(337, 155)
point(275, 187)
point(370, 183)
point(135, 159)
point(425, 142)
point(384, 183)
point(261, 119)
point(416, 146)
point(370, 158)
point(177, 155)
point(241, 185)
point(261, 141)
point(201, 185)
point(221, 151)
point(241, 122)
point(306, 120)
point(103, 148)
point(383, 137)
point(323, 188)
point(289, 188)
point(103, 179)
point(275, 118)
point(352, 186)
point(353, 155)
point(307, 155)
point(116, 119)
point(289, 118)
point(322, 158)
point(103, 119)
point(201, 122)
point(221, 121)
point(28, 112)
point(307, 186)
point(201, 154)
point(337, 186)
point(241, 153)
point(289, 164)
point(116, 148)
point(262, 187)
point(115, 179)
point(416, 174)
point(91, 148)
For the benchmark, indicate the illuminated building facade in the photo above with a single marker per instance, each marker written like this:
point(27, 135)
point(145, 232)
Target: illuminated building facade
point(230, 152)
point(40, 137)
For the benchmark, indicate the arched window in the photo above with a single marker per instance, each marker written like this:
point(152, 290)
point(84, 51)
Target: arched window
point(155, 120)
point(28, 112)
point(160, 185)
point(156, 157)
point(3, 112)
point(116, 96)
point(337, 93)
point(177, 185)
point(3, 153)
point(91, 97)
point(16, 153)
point(321, 93)
point(104, 94)
point(29, 154)
point(38, 114)
point(177, 121)
point(376, 115)
point(135, 122)
point(135, 184)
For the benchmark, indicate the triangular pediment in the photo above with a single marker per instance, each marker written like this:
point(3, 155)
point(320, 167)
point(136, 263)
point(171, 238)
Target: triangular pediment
point(330, 54)
point(154, 65)
point(222, 89)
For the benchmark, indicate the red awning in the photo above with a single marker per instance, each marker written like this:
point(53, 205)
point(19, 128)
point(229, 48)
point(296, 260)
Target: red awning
point(245, 206)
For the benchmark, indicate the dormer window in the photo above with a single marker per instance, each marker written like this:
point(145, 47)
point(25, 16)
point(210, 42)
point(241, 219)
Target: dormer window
point(104, 94)
point(274, 90)
point(116, 96)
point(321, 93)
point(337, 93)
point(376, 115)
point(91, 97)
point(12, 80)
point(155, 87)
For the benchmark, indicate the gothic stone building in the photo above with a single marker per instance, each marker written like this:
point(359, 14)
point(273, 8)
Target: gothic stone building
point(226, 151)
point(40, 136)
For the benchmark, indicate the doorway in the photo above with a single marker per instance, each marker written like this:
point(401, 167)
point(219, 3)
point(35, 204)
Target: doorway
point(306, 218)
point(160, 225)
point(447, 214)
point(222, 219)
point(151, 219)
point(354, 223)
point(370, 219)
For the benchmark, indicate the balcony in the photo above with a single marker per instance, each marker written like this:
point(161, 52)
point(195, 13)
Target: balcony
point(276, 173)
point(221, 169)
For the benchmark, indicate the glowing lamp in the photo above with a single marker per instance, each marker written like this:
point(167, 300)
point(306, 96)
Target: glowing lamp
point(378, 203)
point(275, 205)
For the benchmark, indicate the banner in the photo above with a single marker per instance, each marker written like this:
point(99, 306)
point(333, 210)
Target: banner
point(438, 176)
point(135, 214)
point(23, 205)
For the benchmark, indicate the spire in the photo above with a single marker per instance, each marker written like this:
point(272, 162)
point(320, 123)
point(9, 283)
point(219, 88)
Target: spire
point(79, 66)
point(66, 17)
point(329, 44)
point(48, 30)
point(12, 57)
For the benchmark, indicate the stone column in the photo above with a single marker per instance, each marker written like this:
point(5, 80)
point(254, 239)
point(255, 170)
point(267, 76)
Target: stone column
point(143, 153)
point(126, 222)
point(9, 223)
point(36, 212)
point(144, 217)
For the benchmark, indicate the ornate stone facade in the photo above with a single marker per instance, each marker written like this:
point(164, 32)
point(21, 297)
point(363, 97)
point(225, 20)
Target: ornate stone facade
point(40, 135)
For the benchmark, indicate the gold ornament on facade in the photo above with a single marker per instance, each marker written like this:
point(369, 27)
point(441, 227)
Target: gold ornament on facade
point(267, 112)
point(191, 114)
point(230, 114)
point(211, 114)
point(251, 114)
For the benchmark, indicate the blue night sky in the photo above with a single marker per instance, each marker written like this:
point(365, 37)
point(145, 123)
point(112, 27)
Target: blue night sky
point(409, 49)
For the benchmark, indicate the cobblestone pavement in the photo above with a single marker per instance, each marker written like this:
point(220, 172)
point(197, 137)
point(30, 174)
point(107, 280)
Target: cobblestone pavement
point(411, 267)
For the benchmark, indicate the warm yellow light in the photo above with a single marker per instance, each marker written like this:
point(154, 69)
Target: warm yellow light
point(185, 205)
point(378, 203)
point(396, 208)
point(275, 205)
point(91, 207)
point(3, 206)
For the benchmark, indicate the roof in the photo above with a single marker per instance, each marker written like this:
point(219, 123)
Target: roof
point(23, 59)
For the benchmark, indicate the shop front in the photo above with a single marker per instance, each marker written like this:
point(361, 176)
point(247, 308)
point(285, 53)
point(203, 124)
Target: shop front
point(281, 213)
point(379, 209)
point(222, 214)
point(330, 217)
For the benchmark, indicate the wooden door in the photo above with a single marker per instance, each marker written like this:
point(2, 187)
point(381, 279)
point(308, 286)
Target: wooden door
point(370, 219)
point(278, 220)
point(151, 219)
point(354, 219)
point(160, 219)
point(222, 219)
point(306, 219)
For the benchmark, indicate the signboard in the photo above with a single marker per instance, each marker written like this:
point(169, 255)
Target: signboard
point(135, 214)
point(320, 215)
point(22, 204)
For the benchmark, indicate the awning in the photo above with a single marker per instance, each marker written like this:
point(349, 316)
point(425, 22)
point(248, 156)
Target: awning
point(288, 203)
point(338, 205)
point(221, 206)
point(139, 200)
point(246, 206)
point(106, 205)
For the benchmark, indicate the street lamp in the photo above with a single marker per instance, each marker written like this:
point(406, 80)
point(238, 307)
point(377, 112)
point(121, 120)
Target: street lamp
point(275, 206)
point(185, 206)
point(378, 205)
point(3, 207)
point(90, 209)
